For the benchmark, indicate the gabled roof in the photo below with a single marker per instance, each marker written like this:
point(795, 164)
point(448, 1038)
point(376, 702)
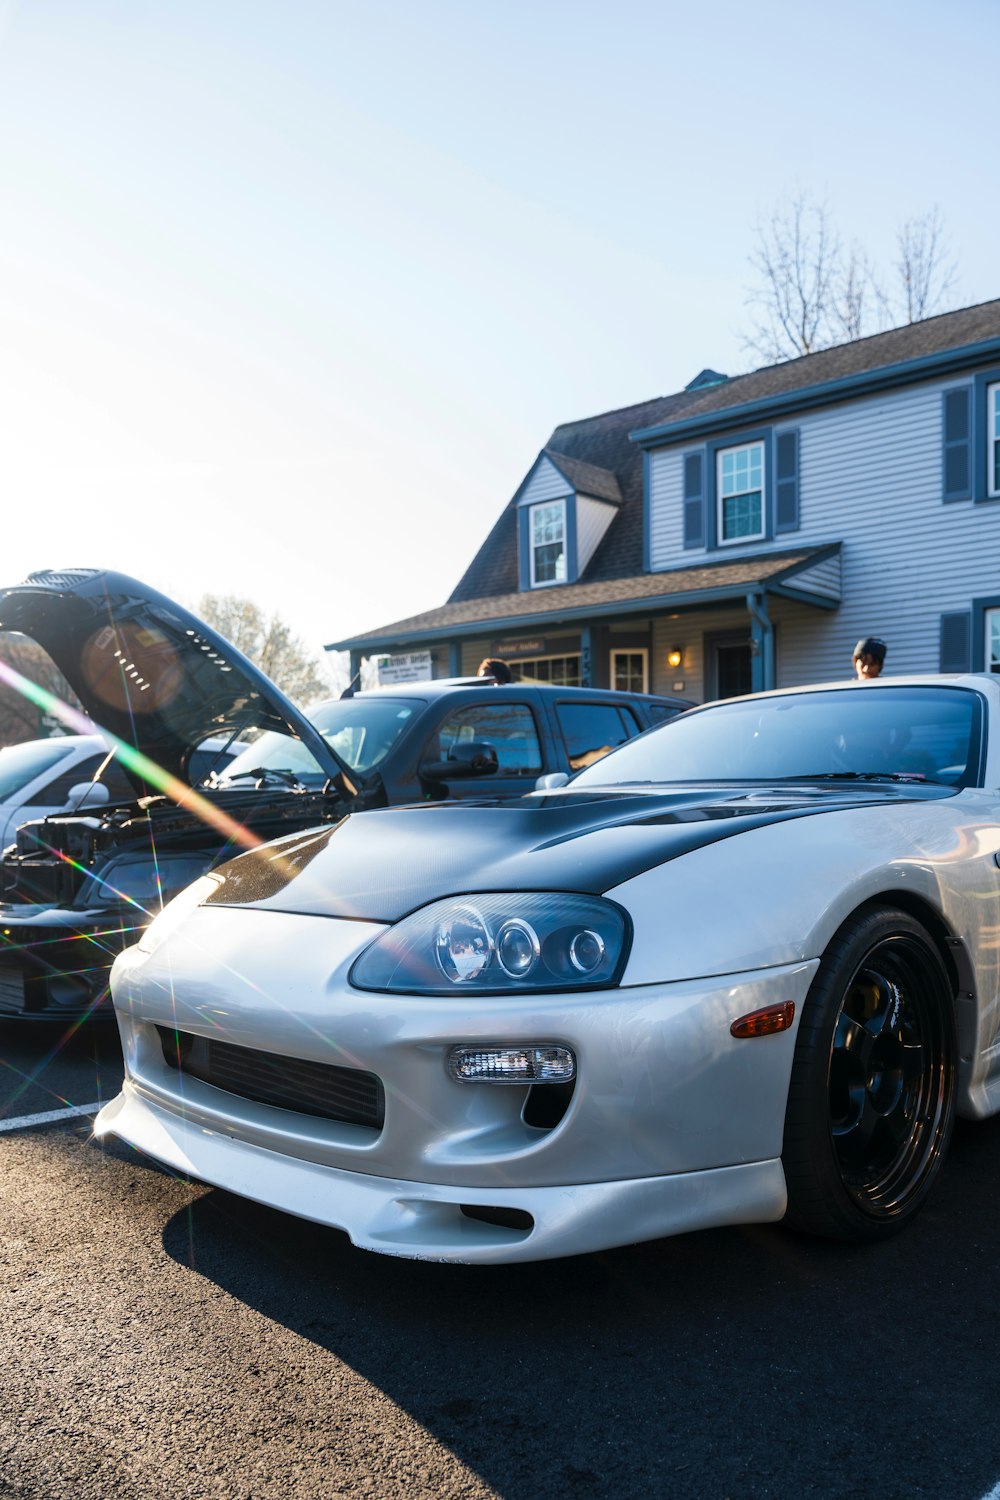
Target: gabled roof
point(914, 345)
point(599, 444)
point(603, 456)
point(541, 609)
point(586, 479)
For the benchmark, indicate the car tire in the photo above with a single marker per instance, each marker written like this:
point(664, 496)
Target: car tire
point(871, 1101)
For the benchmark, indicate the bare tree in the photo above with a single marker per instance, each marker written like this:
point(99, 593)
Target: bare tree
point(269, 643)
point(810, 292)
point(925, 269)
point(797, 259)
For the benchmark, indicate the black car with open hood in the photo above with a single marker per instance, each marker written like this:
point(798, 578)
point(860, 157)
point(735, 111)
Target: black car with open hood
point(162, 685)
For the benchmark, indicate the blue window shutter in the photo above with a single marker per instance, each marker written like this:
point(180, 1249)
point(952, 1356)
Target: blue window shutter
point(957, 454)
point(956, 642)
point(786, 481)
point(694, 499)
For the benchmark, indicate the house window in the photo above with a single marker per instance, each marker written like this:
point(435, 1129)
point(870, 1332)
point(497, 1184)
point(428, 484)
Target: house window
point(991, 657)
point(630, 671)
point(548, 543)
point(562, 670)
point(993, 441)
point(740, 482)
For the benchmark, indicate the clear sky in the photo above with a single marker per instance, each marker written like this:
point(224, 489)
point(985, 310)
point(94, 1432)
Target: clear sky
point(293, 291)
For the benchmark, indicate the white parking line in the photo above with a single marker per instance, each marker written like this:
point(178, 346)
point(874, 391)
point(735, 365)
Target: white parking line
point(25, 1122)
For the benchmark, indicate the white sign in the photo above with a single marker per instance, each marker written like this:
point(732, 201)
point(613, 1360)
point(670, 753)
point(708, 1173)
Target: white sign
point(414, 666)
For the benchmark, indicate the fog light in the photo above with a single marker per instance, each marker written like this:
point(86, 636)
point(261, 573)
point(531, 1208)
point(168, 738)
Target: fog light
point(512, 1064)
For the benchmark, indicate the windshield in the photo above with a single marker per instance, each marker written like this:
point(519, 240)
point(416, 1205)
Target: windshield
point(930, 733)
point(20, 764)
point(361, 731)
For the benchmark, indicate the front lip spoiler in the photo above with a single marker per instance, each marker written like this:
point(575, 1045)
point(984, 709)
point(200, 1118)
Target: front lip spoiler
point(424, 1221)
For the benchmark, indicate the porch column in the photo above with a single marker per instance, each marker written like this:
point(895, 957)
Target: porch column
point(586, 657)
point(454, 658)
point(762, 669)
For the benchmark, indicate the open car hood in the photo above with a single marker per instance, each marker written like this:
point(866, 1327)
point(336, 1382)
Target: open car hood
point(148, 671)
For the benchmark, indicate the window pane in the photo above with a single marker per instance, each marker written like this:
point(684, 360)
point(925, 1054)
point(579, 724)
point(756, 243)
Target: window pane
point(562, 670)
point(548, 553)
point(629, 671)
point(590, 731)
point(993, 640)
point(509, 727)
point(741, 492)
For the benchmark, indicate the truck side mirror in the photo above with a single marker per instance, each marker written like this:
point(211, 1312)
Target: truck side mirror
point(466, 759)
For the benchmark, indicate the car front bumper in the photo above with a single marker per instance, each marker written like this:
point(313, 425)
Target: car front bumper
point(672, 1125)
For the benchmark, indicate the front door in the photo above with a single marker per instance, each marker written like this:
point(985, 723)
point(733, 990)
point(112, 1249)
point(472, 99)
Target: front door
point(730, 668)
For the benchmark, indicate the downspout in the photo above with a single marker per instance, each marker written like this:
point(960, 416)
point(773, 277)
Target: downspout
point(762, 673)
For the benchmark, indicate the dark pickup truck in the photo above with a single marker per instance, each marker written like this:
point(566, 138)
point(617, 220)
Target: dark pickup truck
point(459, 737)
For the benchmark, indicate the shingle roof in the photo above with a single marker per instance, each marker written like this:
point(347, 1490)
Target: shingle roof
point(954, 330)
point(586, 479)
point(600, 451)
point(733, 577)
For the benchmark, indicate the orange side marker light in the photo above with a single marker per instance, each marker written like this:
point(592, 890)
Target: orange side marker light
point(765, 1022)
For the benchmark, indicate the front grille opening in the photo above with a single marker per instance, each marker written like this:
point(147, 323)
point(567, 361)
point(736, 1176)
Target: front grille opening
point(326, 1091)
point(546, 1104)
point(504, 1218)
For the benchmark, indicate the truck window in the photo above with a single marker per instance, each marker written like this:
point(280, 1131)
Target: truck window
point(592, 729)
point(509, 727)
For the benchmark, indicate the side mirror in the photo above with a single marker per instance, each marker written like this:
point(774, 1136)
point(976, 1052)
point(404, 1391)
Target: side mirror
point(472, 758)
point(551, 781)
point(88, 794)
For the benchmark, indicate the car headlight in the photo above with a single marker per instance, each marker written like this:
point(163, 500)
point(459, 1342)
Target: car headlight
point(496, 943)
point(175, 911)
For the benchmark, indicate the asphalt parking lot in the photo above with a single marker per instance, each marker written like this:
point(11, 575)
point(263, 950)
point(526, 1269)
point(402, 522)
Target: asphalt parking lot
point(161, 1338)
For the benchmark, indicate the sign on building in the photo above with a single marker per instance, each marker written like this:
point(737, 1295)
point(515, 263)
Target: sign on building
point(412, 666)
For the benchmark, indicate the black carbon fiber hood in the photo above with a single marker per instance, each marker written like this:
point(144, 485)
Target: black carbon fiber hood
point(381, 865)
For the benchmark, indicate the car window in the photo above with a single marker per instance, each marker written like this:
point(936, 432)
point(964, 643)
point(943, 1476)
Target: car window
point(592, 729)
point(929, 733)
point(508, 727)
point(20, 764)
point(55, 792)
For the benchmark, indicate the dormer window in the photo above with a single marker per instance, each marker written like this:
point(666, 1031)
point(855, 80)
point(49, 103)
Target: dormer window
point(547, 524)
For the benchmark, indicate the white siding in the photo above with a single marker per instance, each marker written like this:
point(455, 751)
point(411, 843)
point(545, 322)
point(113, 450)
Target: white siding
point(823, 578)
point(870, 475)
point(593, 517)
point(545, 484)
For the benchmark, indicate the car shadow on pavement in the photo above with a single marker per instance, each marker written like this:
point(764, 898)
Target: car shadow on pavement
point(739, 1363)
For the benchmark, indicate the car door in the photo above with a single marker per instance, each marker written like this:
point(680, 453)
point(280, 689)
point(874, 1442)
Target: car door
point(510, 727)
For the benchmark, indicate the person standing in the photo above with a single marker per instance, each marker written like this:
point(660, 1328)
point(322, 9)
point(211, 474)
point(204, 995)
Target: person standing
point(492, 666)
point(869, 658)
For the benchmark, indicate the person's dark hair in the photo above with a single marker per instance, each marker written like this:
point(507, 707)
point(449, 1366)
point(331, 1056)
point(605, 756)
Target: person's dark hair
point(492, 666)
point(870, 645)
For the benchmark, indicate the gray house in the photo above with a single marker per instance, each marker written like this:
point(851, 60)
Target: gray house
point(745, 532)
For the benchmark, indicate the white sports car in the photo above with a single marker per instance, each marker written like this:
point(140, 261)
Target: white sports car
point(746, 966)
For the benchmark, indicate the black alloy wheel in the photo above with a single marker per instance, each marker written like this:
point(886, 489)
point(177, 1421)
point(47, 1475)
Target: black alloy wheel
point(871, 1101)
